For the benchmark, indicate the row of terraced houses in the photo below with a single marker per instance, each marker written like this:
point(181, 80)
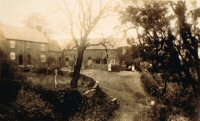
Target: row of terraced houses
point(29, 47)
point(26, 46)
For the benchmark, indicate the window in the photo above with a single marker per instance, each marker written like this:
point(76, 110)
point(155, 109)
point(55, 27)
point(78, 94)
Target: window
point(123, 51)
point(28, 59)
point(28, 45)
point(43, 58)
point(20, 59)
point(43, 47)
point(104, 61)
point(12, 44)
point(66, 59)
point(12, 55)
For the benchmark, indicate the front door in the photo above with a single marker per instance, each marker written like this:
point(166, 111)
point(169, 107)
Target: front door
point(28, 59)
point(20, 59)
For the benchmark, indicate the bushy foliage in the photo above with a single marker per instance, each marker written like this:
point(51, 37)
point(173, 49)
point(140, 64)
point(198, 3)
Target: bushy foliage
point(41, 70)
point(37, 102)
point(97, 108)
point(9, 80)
point(51, 60)
point(33, 108)
point(177, 99)
point(171, 50)
point(115, 68)
point(149, 83)
point(53, 67)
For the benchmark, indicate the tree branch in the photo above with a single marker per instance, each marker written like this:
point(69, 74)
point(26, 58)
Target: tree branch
point(70, 16)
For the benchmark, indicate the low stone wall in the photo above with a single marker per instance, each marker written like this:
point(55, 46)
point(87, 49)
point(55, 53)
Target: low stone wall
point(99, 106)
point(93, 88)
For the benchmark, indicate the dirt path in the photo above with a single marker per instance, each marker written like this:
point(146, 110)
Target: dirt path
point(127, 88)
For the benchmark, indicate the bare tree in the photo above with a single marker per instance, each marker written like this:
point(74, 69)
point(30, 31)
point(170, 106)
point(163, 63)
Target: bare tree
point(83, 23)
point(38, 22)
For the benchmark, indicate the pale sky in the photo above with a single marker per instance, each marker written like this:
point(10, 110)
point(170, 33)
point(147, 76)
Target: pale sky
point(16, 11)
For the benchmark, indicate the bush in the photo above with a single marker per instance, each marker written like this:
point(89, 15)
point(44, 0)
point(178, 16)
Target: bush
point(115, 68)
point(55, 66)
point(47, 70)
point(31, 107)
point(8, 91)
point(181, 97)
point(149, 83)
point(41, 70)
point(9, 86)
point(64, 102)
point(24, 68)
point(177, 98)
point(52, 67)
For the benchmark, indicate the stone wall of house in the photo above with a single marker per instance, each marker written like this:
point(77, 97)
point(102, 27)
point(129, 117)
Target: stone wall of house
point(91, 57)
point(21, 48)
point(56, 55)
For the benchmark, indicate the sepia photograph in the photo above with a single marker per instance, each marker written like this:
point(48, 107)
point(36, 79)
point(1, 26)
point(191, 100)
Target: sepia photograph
point(99, 60)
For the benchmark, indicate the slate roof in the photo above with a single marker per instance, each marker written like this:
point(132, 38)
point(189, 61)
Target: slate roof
point(115, 43)
point(22, 33)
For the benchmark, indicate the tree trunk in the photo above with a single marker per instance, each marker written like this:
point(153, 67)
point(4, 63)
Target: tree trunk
point(77, 68)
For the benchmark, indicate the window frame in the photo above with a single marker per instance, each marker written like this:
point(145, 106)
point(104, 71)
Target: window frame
point(12, 44)
point(12, 56)
point(28, 45)
point(43, 58)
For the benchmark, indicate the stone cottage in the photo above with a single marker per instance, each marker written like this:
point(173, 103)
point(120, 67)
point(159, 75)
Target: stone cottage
point(96, 57)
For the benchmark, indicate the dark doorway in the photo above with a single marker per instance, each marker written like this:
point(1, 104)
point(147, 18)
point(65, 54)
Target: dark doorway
point(20, 59)
point(28, 59)
point(66, 59)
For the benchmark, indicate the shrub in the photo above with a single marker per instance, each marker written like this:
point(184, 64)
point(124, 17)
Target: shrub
point(65, 102)
point(51, 60)
point(9, 86)
point(115, 68)
point(8, 91)
point(55, 66)
point(41, 70)
point(52, 67)
point(26, 69)
point(149, 83)
point(177, 96)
